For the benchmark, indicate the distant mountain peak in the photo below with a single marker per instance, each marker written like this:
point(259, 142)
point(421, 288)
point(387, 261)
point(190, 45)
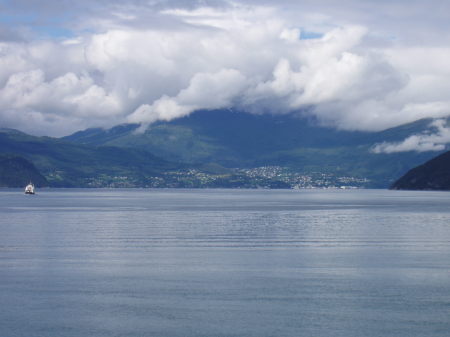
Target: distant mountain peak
point(11, 131)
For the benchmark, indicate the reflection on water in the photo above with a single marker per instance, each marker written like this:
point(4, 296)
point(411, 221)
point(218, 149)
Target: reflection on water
point(224, 263)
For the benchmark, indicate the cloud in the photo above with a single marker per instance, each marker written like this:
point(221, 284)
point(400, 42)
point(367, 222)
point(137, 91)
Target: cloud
point(349, 66)
point(421, 142)
point(205, 91)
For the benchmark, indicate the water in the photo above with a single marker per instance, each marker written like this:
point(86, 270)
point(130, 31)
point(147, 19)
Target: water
point(224, 263)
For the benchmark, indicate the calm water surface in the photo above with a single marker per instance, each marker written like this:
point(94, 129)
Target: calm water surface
point(224, 263)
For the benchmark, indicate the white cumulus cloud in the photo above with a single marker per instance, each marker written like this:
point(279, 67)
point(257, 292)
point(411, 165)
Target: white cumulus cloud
point(420, 142)
point(134, 61)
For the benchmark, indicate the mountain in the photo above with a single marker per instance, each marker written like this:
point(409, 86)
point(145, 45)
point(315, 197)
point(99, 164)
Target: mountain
point(433, 175)
point(74, 165)
point(16, 171)
point(235, 139)
point(221, 148)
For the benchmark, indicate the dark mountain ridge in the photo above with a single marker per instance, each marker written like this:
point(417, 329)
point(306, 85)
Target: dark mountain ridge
point(16, 171)
point(432, 175)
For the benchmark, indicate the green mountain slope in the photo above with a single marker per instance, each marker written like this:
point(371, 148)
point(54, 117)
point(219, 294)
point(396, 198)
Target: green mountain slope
point(16, 171)
point(69, 164)
point(234, 139)
point(433, 175)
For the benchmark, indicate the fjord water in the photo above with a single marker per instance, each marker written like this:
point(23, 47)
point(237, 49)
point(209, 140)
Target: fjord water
point(224, 263)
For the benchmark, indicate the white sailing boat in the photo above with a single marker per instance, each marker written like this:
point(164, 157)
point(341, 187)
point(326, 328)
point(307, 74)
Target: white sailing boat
point(29, 189)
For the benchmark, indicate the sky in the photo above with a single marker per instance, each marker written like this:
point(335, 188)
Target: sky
point(352, 64)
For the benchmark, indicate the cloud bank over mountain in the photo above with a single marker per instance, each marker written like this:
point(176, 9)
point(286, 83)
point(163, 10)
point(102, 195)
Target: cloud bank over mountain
point(358, 66)
point(432, 140)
